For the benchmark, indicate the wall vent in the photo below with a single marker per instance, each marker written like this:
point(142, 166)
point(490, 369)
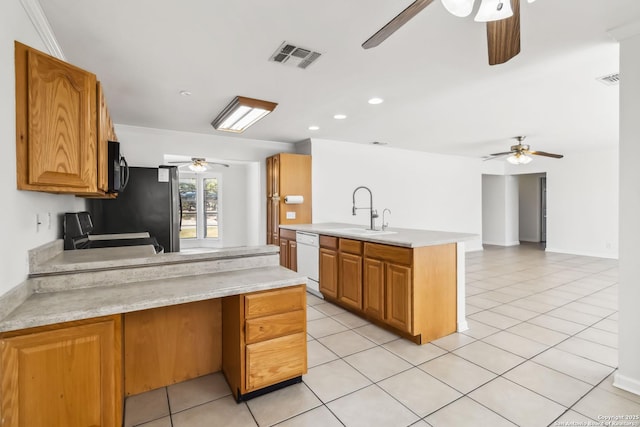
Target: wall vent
point(610, 80)
point(296, 56)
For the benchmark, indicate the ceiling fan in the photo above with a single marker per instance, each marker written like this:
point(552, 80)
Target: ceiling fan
point(502, 18)
point(520, 153)
point(199, 164)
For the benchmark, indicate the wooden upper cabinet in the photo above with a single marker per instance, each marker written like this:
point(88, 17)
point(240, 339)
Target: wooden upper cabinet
point(55, 124)
point(106, 133)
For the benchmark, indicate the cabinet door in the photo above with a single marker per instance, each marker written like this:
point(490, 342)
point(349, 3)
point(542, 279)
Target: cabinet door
point(293, 255)
point(269, 204)
point(284, 253)
point(55, 124)
point(373, 288)
point(67, 377)
point(398, 297)
point(328, 272)
point(350, 280)
point(105, 134)
point(275, 221)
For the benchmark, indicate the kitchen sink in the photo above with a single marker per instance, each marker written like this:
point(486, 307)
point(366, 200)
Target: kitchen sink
point(362, 231)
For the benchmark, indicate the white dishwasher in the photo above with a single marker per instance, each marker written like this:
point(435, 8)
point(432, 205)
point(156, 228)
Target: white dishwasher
point(308, 258)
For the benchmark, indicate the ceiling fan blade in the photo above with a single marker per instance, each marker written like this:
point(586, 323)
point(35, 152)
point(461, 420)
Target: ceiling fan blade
point(392, 26)
point(178, 163)
point(501, 154)
point(503, 37)
point(544, 153)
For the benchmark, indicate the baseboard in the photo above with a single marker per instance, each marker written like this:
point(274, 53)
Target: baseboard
point(627, 384)
point(582, 253)
point(512, 243)
point(462, 326)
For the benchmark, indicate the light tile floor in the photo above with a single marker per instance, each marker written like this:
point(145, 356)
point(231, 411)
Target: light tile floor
point(541, 349)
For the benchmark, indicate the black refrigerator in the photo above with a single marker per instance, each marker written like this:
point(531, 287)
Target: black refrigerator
point(150, 202)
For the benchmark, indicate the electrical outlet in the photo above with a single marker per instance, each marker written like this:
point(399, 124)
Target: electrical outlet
point(38, 222)
point(291, 215)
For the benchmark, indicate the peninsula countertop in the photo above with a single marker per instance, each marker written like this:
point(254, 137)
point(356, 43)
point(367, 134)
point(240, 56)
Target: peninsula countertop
point(158, 280)
point(405, 237)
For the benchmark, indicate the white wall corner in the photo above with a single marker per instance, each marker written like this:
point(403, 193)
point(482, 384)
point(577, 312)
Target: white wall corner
point(627, 384)
point(625, 31)
point(41, 24)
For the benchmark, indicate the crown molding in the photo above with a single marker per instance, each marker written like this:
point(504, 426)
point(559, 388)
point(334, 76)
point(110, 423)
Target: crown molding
point(41, 24)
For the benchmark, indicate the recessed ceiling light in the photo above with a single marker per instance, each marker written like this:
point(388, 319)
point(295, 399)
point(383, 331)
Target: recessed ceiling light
point(314, 127)
point(185, 93)
point(375, 101)
point(339, 117)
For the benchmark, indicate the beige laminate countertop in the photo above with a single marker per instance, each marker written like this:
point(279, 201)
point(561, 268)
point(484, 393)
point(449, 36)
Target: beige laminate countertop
point(186, 277)
point(405, 237)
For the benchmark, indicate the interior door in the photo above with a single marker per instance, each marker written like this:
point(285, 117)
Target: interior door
point(543, 209)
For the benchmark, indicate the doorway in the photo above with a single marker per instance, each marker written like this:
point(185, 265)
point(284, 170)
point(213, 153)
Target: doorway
point(543, 211)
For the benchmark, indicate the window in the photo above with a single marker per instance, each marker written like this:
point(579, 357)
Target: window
point(200, 198)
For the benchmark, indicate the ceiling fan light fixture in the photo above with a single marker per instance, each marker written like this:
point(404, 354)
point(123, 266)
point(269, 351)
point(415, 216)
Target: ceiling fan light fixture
point(241, 113)
point(197, 167)
point(494, 10)
point(459, 8)
point(519, 159)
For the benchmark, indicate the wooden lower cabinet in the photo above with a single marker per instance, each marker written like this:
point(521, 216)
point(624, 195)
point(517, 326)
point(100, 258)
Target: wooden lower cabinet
point(68, 374)
point(399, 298)
point(412, 291)
point(328, 266)
point(373, 288)
point(288, 249)
point(264, 340)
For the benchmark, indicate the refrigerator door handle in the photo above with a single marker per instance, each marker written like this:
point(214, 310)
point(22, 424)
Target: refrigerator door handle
point(180, 209)
point(125, 173)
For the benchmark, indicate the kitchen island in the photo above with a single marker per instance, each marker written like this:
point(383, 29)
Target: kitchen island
point(409, 281)
point(90, 327)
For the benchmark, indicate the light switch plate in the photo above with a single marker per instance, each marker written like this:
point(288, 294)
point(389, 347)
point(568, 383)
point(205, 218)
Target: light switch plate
point(291, 215)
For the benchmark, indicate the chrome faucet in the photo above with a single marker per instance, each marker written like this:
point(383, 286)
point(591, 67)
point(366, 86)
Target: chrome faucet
point(385, 224)
point(373, 212)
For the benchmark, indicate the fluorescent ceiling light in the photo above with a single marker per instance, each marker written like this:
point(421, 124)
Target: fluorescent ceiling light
point(460, 8)
point(494, 10)
point(241, 113)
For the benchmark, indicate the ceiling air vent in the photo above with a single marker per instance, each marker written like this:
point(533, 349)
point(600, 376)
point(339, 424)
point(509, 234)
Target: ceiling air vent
point(610, 80)
point(296, 56)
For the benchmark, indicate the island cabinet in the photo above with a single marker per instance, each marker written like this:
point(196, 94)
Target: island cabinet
point(411, 291)
point(62, 125)
point(328, 266)
point(69, 374)
point(350, 273)
point(288, 249)
point(264, 340)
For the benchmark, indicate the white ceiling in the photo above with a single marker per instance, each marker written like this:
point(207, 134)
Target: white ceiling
point(440, 93)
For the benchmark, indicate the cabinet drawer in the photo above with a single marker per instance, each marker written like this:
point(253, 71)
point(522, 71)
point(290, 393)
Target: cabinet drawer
point(328, 242)
point(389, 253)
point(268, 327)
point(273, 302)
point(287, 234)
point(270, 362)
point(351, 246)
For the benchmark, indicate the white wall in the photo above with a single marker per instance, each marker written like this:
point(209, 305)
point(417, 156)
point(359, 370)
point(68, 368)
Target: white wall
point(18, 213)
point(244, 203)
point(529, 204)
point(500, 210)
point(628, 375)
point(425, 191)
point(582, 201)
